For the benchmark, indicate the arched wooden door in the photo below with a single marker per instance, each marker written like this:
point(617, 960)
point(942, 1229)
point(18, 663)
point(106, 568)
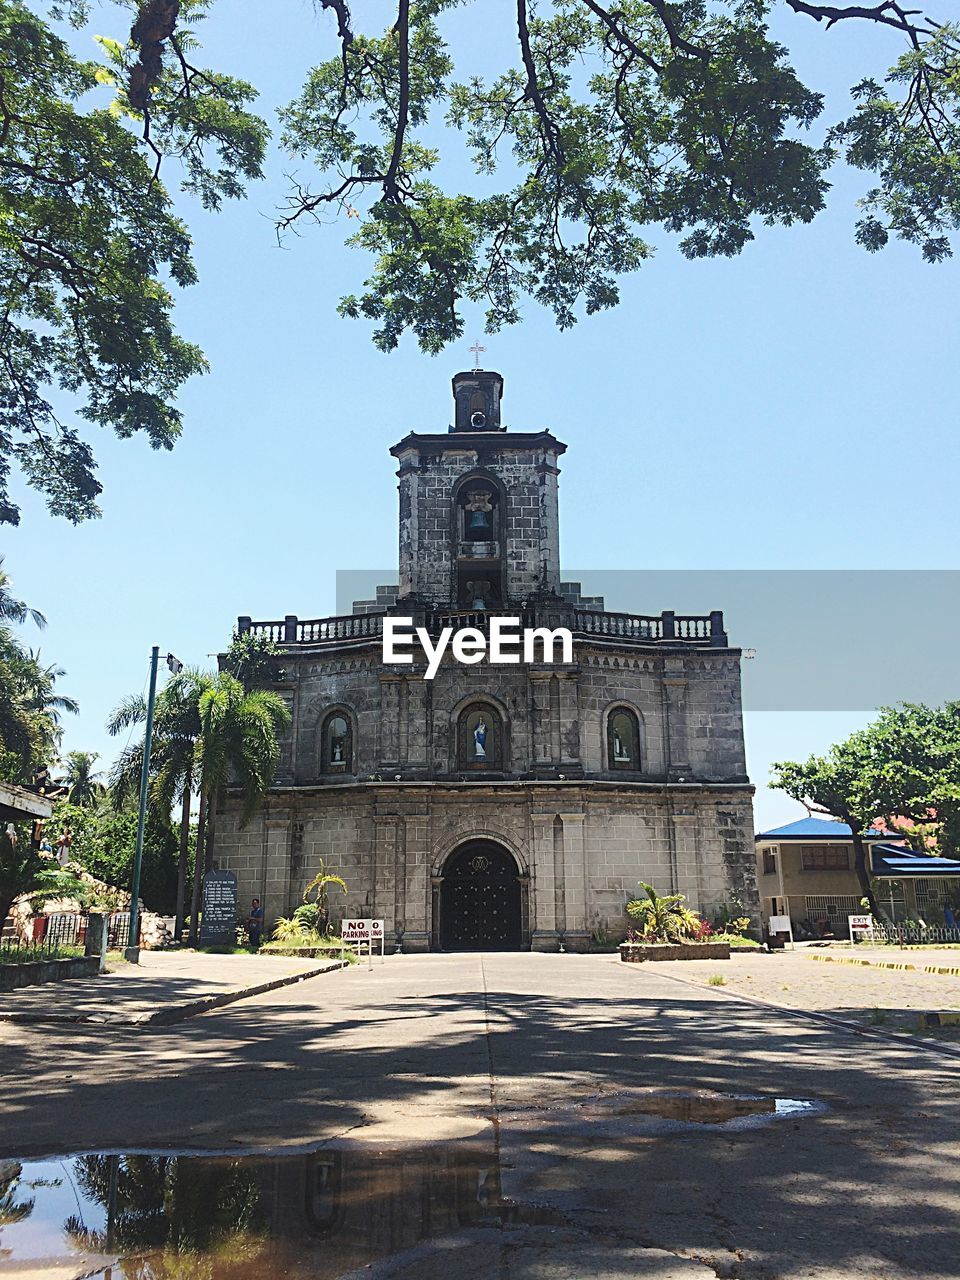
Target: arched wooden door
point(480, 900)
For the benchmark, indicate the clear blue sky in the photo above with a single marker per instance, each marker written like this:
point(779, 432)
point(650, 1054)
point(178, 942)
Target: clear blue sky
point(791, 408)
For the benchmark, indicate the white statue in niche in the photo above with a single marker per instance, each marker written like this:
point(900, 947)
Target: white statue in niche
point(480, 740)
point(336, 756)
point(620, 752)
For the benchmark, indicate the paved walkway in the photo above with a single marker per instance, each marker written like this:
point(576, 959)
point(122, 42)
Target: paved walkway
point(870, 995)
point(556, 1063)
point(165, 986)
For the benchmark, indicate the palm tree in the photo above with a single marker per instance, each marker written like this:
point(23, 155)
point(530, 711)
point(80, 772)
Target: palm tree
point(41, 698)
point(30, 708)
point(11, 609)
point(664, 919)
point(82, 781)
point(238, 747)
point(176, 730)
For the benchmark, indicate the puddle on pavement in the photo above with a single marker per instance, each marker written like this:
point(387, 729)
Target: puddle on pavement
point(689, 1108)
point(219, 1217)
point(321, 1213)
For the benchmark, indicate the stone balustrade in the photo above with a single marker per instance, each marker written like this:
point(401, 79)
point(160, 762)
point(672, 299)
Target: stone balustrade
point(668, 628)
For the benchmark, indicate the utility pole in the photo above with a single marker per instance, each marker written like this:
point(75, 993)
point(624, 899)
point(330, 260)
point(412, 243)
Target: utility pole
point(132, 952)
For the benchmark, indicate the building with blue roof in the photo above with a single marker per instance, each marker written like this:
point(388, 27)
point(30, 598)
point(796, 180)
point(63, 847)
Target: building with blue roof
point(805, 869)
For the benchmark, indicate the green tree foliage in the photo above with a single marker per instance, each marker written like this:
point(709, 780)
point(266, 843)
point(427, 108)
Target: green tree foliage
point(31, 710)
point(662, 919)
point(81, 779)
point(610, 121)
point(104, 842)
point(239, 740)
point(253, 659)
point(904, 765)
point(88, 239)
point(13, 1209)
point(186, 1207)
point(607, 123)
point(176, 728)
point(19, 866)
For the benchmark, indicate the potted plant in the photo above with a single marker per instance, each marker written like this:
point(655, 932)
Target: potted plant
point(667, 929)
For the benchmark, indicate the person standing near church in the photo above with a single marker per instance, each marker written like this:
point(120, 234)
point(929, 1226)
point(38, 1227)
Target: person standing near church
point(255, 924)
point(64, 841)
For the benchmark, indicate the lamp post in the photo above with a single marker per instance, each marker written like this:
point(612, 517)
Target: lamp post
point(132, 951)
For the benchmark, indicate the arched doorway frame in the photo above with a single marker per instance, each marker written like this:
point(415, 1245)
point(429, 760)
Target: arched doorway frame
point(448, 850)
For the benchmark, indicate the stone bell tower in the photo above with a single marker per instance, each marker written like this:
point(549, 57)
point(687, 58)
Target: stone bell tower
point(479, 522)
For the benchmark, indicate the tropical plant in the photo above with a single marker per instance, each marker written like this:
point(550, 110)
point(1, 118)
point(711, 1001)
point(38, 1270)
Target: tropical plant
point(12, 609)
point(290, 928)
point(81, 779)
point(319, 887)
point(172, 755)
point(662, 919)
point(59, 882)
point(238, 746)
point(12, 1210)
point(30, 709)
point(19, 867)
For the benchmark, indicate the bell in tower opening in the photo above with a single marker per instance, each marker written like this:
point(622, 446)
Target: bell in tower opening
point(477, 395)
point(478, 516)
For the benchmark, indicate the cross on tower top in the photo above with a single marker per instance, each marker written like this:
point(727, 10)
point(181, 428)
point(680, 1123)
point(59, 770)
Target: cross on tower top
point(476, 349)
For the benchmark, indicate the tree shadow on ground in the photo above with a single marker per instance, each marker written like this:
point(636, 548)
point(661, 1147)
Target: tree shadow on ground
point(869, 1187)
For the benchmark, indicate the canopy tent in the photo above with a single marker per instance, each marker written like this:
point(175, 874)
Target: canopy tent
point(896, 862)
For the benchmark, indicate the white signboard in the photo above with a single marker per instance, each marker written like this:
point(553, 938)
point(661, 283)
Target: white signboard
point(860, 926)
point(361, 930)
point(358, 933)
point(779, 924)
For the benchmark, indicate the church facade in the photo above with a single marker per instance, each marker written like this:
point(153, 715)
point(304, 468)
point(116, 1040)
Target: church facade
point(509, 806)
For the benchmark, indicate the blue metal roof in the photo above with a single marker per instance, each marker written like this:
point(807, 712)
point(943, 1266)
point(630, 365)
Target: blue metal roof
point(894, 862)
point(817, 829)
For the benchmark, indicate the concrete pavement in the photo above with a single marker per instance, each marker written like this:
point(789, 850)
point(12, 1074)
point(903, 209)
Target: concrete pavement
point(559, 1064)
point(165, 987)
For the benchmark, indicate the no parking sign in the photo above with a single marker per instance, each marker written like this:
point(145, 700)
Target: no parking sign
point(358, 932)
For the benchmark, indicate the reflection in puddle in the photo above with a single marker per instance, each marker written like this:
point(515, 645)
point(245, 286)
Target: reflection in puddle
point(160, 1217)
point(320, 1213)
point(699, 1107)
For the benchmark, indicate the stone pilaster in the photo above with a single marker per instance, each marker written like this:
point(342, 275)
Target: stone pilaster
point(677, 755)
point(543, 908)
point(389, 720)
point(576, 933)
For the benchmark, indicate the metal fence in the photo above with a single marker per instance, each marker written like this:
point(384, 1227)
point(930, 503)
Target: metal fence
point(911, 931)
point(23, 951)
point(63, 933)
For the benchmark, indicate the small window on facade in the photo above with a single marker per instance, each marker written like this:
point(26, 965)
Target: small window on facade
point(623, 740)
point(337, 745)
point(480, 734)
point(769, 862)
point(831, 857)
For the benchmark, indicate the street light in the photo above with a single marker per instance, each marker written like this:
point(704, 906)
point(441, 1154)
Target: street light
point(132, 951)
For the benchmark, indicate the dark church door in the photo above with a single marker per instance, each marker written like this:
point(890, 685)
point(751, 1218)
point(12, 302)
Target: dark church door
point(480, 900)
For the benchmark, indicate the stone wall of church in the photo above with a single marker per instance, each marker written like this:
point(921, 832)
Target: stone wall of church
point(688, 707)
point(581, 849)
point(429, 474)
